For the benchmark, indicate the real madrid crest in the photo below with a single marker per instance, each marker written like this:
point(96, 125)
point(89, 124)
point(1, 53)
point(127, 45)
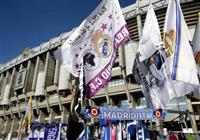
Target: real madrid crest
point(102, 44)
point(169, 42)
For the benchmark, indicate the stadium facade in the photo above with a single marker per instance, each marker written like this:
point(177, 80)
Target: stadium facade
point(37, 73)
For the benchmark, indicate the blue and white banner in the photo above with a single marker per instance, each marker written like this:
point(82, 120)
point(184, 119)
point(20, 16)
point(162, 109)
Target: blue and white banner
point(140, 133)
point(52, 132)
point(122, 114)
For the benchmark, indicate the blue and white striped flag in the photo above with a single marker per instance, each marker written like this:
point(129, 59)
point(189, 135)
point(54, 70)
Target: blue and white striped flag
point(140, 133)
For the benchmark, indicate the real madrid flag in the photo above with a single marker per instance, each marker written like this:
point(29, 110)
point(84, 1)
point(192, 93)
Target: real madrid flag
point(96, 40)
point(150, 69)
point(151, 37)
point(180, 57)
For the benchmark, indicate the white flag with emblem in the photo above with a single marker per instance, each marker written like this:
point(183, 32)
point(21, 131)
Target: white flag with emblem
point(179, 51)
point(96, 40)
point(154, 75)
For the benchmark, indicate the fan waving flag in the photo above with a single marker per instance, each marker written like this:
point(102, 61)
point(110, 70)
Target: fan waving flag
point(180, 57)
point(96, 40)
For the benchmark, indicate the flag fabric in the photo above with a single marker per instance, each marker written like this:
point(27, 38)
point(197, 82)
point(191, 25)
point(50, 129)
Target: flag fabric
point(113, 132)
point(51, 132)
point(96, 40)
point(41, 133)
point(107, 133)
point(74, 129)
point(28, 116)
point(63, 132)
point(180, 57)
point(131, 127)
point(150, 68)
point(75, 123)
point(140, 133)
point(196, 46)
point(152, 74)
point(151, 37)
point(119, 131)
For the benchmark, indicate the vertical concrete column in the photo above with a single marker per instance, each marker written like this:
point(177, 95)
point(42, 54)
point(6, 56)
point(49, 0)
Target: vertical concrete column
point(45, 73)
point(4, 84)
point(131, 100)
point(139, 21)
point(35, 74)
point(27, 75)
point(42, 116)
point(2, 122)
point(12, 78)
point(20, 126)
point(107, 95)
point(64, 115)
point(11, 85)
point(12, 127)
point(7, 90)
point(52, 115)
point(192, 117)
point(60, 102)
point(7, 125)
point(56, 75)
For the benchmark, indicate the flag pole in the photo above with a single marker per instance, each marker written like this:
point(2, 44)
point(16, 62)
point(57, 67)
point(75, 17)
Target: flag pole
point(173, 88)
point(137, 63)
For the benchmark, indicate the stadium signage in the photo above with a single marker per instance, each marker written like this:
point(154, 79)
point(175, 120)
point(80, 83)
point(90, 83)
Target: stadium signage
point(122, 114)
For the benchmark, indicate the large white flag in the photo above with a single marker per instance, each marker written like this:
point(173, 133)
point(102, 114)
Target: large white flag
point(96, 40)
point(179, 51)
point(153, 71)
point(151, 37)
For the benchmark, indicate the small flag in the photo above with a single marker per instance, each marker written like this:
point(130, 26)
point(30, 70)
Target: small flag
point(28, 116)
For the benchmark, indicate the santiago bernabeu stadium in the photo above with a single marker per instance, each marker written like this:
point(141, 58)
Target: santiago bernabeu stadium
point(36, 72)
